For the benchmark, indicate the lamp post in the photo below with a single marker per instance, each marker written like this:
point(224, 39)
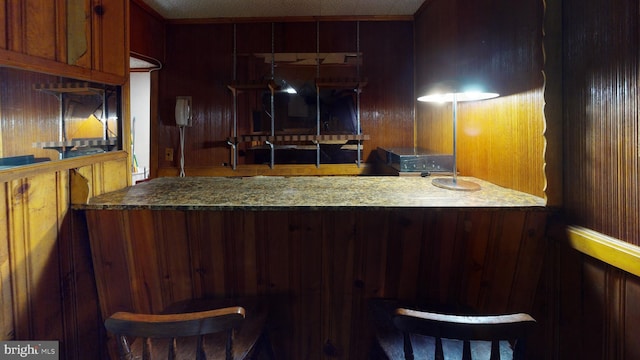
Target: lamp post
point(454, 97)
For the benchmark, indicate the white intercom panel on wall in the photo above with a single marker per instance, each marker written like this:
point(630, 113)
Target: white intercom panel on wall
point(183, 110)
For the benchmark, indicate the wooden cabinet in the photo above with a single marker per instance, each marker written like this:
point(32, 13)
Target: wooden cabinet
point(83, 39)
point(33, 27)
point(97, 36)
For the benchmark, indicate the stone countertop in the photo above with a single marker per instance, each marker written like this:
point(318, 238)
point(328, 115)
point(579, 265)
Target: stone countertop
point(304, 192)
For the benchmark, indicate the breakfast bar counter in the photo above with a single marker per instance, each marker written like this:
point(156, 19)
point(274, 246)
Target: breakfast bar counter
point(318, 248)
point(308, 192)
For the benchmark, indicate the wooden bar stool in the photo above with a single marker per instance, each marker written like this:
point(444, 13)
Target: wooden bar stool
point(405, 333)
point(194, 329)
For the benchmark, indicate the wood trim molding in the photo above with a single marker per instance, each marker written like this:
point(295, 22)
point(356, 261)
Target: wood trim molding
point(610, 250)
point(32, 63)
point(25, 171)
point(149, 10)
point(265, 170)
point(232, 20)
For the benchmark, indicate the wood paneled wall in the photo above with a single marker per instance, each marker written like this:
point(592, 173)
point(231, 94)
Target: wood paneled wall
point(600, 317)
point(320, 267)
point(498, 46)
point(597, 314)
point(200, 63)
point(591, 306)
point(27, 115)
point(47, 288)
point(601, 116)
point(147, 31)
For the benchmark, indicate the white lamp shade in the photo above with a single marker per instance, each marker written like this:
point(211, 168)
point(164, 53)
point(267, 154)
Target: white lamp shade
point(455, 97)
point(459, 96)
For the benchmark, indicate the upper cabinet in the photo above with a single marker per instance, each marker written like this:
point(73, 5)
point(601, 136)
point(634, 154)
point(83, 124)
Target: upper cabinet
point(97, 36)
point(33, 27)
point(84, 39)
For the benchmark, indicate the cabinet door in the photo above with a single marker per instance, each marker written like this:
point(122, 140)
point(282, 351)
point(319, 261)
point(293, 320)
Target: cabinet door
point(110, 43)
point(97, 35)
point(34, 27)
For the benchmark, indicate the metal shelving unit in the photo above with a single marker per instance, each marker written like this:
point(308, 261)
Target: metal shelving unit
point(355, 84)
point(59, 91)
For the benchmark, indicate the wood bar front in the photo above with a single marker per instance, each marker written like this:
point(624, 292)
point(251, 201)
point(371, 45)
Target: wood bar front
point(317, 258)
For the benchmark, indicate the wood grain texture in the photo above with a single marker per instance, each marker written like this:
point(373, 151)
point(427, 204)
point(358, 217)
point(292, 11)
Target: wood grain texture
point(48, 286)
point(601, 149)
point(600, 298)
point(25, 111)
point(319, 267)
point(34, 28)
point(205, 71)
point(111, 38)
point(3, 24)
point(499, 140)
point(146, 28)
point(36, 38)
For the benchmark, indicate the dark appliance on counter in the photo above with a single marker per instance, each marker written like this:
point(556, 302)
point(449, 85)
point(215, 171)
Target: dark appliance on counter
point(416, 160)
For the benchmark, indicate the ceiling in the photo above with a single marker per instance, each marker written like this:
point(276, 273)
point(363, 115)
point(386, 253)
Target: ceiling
point(203, 9)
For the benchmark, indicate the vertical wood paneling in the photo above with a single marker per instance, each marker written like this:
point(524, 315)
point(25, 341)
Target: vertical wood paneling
point(111, 37)
point(387, 102)
point(499, 140)
point(3, 24)
point(43, 255)
point(209, 271)
point(25, 111)
point(407, 228)
point(529, 267)
point(6, 303)
point(319, 268)
point(477, 233)
point(83, 329)
point(339, 243)
point(504, 251)
point(279, 258)
point(631, 318)
point(593, 304)
point(601, 111)
point(245, 256)
point(308, 256)
point(48, 288)
point(173, 256)
point(110, 260)
point(205, 71)
point(148, 277)
point(34, 28)
point(146, 25)
point(15, 24)
point(597, 312)
point(202, 72)
point(19, 249)
point(40, 32)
